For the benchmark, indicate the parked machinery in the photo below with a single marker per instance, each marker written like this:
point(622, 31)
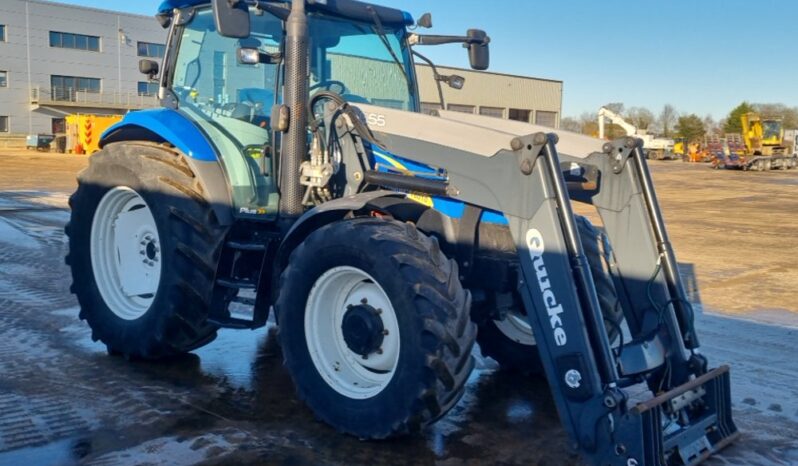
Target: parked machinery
point(764, 146)
point(83, 131)
point(655, 148)
point(211, 204)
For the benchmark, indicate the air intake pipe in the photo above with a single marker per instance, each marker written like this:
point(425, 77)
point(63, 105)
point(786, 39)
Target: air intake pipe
point(294, 144)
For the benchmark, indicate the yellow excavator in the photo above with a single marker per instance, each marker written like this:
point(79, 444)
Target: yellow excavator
point(765, 146)
point(765, 137)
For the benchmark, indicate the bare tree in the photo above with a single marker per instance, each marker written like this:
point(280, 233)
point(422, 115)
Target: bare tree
point(640, 117)
point(589, 123)
point(667, 119)
point(711, 126)
point(571, 124)
point(788, 114)
point(615, 107)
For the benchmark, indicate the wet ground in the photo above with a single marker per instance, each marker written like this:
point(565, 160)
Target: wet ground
point(64, 401)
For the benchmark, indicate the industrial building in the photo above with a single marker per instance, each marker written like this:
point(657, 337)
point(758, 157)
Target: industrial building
point(58, 59)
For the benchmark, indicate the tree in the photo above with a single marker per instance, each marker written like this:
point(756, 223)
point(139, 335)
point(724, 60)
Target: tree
point(733, 123)
point(640, 117)
point(615, 107)
point(787, 114)
point(571, 124)
point(711, 126)
point(691, 127)
point(667, 119)
point(589, 123)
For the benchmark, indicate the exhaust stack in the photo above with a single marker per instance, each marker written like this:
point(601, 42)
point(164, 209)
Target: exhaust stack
point(294, 147)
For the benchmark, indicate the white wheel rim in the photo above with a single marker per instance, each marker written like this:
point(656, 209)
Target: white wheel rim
point(347, 372)
point(516, 328)
point(125, 253)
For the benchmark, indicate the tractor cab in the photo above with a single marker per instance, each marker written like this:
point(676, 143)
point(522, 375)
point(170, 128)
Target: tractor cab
point(226, 74)
point(228, 85)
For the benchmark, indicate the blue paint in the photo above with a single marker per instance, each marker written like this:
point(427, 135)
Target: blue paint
point(447, 206)
point(173, 127)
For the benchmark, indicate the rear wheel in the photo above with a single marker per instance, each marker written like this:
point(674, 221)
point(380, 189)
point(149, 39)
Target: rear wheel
point(143, 246)
point(511, 342)
point(375, 327)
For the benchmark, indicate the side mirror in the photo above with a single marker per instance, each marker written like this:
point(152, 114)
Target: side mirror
point(425, 21)
point(149, 67)
point(478, 49)
point(454, 81)
point(231, 18)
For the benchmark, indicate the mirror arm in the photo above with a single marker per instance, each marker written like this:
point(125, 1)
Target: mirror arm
point(436, 75)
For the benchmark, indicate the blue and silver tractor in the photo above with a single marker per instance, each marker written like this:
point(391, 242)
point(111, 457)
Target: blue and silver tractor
point(290, 169)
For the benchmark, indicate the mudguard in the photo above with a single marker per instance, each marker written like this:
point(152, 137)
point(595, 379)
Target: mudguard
point(170, 126)
point(397, 204)
point(166, 125)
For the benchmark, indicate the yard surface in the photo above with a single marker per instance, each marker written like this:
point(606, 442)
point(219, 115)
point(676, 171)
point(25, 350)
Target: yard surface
point(64, 401)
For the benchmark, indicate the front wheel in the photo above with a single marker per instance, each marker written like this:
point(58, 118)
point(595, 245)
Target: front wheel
point(510, 341)
point(375, 327)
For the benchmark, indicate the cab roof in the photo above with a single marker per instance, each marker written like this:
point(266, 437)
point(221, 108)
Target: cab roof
point(351, 9)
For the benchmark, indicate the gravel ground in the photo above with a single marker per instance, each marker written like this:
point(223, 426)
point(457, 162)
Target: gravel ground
point(64, 401)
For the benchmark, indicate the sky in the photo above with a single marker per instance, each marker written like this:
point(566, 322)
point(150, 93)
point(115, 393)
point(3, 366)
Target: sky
point(701, 56)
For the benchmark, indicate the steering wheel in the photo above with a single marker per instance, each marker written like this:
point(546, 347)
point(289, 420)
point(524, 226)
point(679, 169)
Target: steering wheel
point(328, 85)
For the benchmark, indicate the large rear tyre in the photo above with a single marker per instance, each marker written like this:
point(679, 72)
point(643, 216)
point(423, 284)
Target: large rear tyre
point(510, 341)
point(143, 248)
point(375, 327)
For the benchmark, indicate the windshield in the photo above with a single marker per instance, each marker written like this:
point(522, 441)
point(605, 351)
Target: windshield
point(353, 60)
point(771, 129)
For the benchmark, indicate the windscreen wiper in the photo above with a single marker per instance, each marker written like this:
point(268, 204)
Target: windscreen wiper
point(380, 31)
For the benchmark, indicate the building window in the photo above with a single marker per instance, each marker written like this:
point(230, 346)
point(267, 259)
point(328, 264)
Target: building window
point(148, 89)
point(67, 40)
point(461, 108)
point(495, 112)
point(65, 87)
point(546, 118)
point(429, 108)
point(2, 32)
point(3, 124)
point(520, 115)
point(148, 49)
point(3, 78)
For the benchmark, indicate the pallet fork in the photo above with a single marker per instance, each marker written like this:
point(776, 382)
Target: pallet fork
point(650, 400)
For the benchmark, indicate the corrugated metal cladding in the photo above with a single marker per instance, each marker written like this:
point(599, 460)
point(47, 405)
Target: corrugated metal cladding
point(525, 98)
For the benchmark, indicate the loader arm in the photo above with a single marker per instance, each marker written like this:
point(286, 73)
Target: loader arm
point(654, 403)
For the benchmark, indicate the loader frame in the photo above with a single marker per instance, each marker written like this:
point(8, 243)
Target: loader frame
point(614, 404)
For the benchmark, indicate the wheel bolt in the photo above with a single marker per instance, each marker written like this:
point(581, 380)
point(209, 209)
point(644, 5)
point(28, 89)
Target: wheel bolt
point(364, 301)
point(379, 350)
point(385, 332)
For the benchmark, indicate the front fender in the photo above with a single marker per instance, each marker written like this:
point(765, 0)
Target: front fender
point(162, 125)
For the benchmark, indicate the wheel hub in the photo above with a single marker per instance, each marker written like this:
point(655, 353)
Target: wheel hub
point(363, 329)
point(149, 250)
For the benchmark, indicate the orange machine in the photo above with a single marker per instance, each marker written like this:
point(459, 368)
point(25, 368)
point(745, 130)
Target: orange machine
point(84, 131)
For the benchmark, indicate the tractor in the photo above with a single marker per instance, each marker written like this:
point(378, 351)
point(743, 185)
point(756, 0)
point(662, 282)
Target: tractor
point(290, 170)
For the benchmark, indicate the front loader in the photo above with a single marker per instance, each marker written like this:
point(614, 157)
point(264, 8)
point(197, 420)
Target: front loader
point(290, 169)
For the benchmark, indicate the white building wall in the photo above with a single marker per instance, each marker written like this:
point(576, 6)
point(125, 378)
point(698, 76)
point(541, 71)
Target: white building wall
point(27, 47)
